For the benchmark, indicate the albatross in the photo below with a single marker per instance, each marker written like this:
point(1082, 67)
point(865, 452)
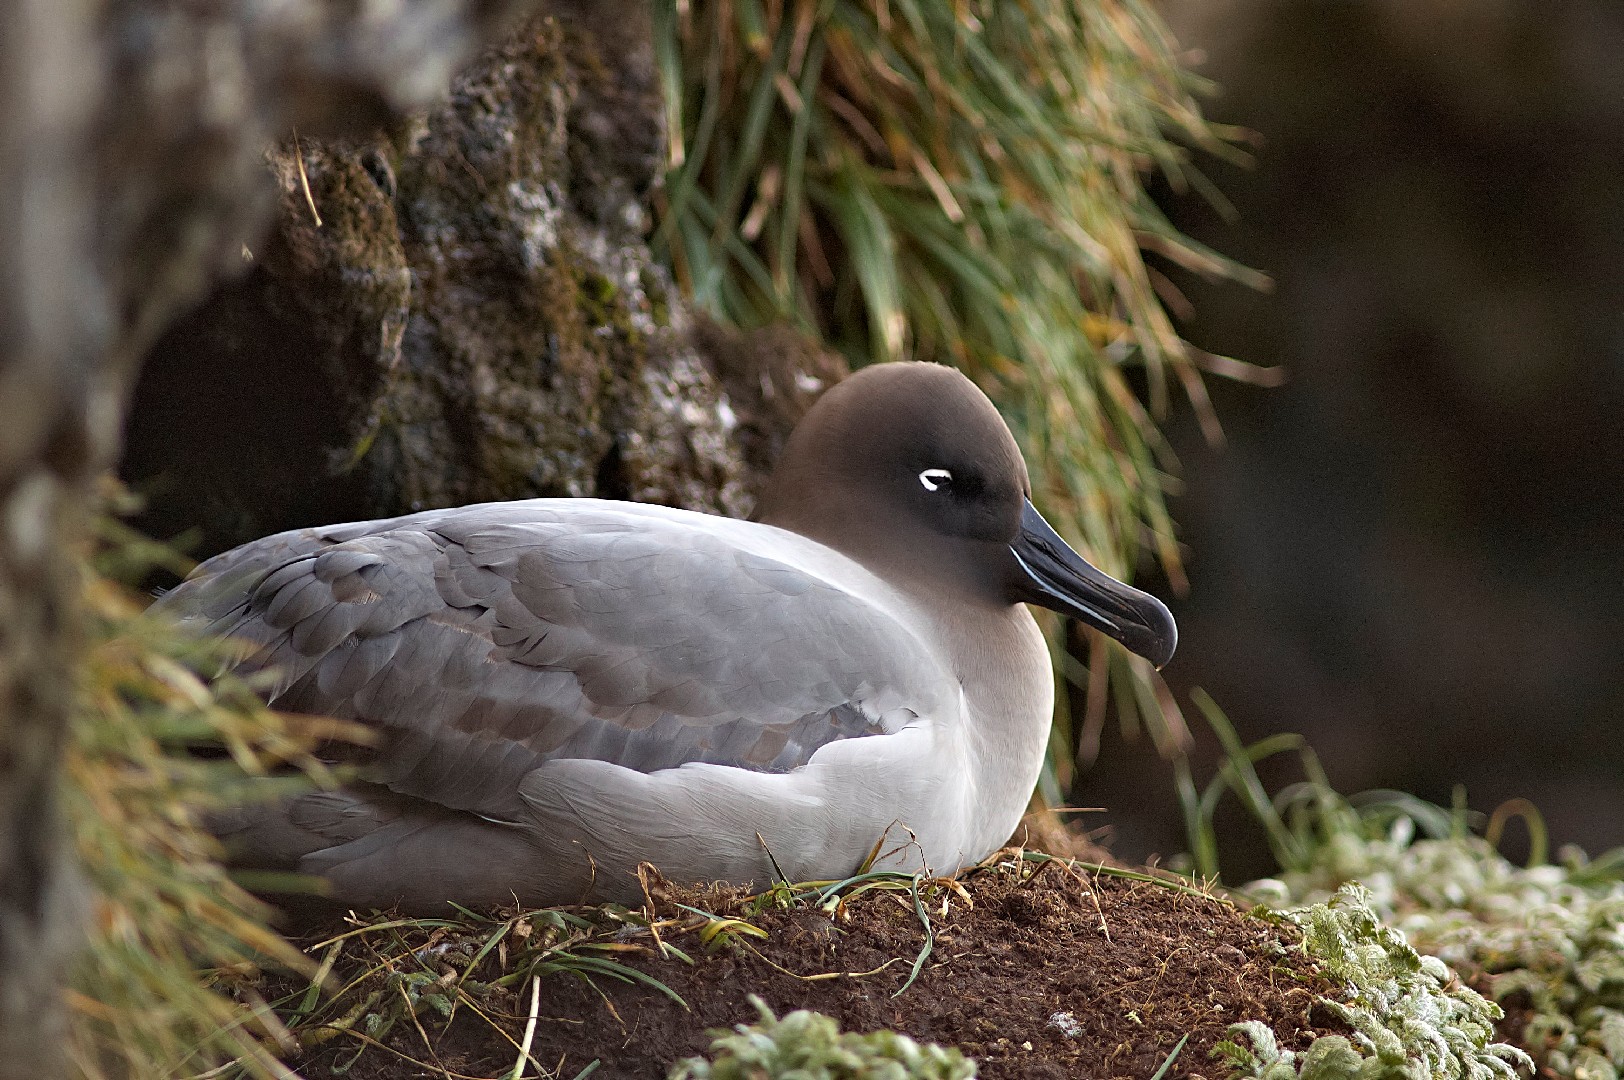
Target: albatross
point(562, 689)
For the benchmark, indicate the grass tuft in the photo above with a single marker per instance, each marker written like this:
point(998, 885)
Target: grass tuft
point(165, 985)
point(961, 183)
point(413, 973)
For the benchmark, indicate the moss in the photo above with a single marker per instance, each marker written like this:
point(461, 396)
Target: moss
point(1551, 934)
point(599, 291)
point(810, 1046)
point(1411, 1019)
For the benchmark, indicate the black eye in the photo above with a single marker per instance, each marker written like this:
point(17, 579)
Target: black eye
point(936, 479)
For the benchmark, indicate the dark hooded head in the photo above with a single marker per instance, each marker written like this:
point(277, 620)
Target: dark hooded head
point(914, 446)
point(910, 470)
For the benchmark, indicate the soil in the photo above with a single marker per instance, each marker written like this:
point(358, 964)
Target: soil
point(1036, 970)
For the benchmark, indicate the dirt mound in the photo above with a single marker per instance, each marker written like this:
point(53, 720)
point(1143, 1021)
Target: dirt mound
point(1035, 969)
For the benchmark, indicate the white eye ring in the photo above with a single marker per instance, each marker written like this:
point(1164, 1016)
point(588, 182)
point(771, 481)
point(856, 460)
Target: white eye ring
point(935, 479)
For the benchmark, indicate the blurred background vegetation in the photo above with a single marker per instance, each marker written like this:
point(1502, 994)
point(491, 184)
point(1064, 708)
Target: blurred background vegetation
point(1411, 553)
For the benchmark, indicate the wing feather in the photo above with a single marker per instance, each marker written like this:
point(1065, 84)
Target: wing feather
point(489, 640)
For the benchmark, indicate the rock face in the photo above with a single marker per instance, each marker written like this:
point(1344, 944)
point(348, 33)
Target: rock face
point(464, 308)
point(193, 92)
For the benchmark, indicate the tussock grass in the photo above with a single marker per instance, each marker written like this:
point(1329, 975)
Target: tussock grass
point(385, 972)
point(961, 183)
point(165, 985)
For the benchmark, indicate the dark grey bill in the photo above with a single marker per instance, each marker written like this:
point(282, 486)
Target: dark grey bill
point(1055, 576)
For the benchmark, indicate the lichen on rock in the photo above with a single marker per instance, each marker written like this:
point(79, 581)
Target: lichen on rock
point(465, 308)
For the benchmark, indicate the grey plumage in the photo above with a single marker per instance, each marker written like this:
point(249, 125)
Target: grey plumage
point(568, 628)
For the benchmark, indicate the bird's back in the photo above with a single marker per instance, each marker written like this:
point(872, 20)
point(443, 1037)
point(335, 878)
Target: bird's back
point(486, 641)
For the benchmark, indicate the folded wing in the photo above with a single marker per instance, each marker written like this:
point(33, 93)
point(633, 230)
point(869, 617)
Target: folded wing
point(487, 640)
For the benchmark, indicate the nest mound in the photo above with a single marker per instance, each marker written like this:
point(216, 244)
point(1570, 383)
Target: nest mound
point(1036, 968)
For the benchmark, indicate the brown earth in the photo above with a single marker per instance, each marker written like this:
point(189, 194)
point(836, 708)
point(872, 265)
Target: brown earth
point(1036, 970)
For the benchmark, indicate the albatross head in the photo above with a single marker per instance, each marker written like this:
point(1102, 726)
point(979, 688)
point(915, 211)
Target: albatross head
point(908, 469)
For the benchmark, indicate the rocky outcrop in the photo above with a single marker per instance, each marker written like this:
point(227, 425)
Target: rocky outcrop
point(463, 307)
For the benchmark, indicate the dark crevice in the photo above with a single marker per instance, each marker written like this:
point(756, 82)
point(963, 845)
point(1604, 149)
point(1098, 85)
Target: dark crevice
point(610, 481)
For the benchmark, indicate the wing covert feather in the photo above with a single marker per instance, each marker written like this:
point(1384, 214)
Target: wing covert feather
point(491, 639)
